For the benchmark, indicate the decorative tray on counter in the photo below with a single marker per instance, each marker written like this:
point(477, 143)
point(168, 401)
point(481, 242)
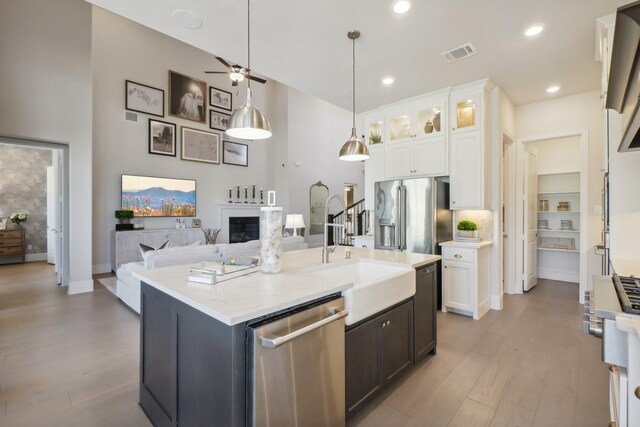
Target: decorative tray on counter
point(211, 273)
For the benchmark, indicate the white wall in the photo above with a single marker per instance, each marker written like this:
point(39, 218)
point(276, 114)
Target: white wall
point(45, 52)
point(316, 132)
point(124, 50)
point(573, 113)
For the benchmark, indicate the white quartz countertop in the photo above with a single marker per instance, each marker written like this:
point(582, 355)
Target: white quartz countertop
point(474, 245)
point(258, 294)
point(626, 267)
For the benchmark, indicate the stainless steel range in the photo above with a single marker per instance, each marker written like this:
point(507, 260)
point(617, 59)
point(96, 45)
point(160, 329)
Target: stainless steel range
point(612, 312)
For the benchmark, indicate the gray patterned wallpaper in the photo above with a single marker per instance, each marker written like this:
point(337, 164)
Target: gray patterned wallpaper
point(23, 188)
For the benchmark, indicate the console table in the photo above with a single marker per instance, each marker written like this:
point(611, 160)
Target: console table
point(12, 244)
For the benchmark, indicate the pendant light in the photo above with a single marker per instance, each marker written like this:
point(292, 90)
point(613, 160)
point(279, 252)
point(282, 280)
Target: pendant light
point(354, 150)
point(248, 122)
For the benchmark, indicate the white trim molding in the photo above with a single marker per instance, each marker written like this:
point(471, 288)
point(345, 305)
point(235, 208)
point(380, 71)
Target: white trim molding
point(80, 287)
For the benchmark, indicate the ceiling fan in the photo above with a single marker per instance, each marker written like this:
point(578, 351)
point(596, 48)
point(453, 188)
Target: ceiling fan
point(237, 73)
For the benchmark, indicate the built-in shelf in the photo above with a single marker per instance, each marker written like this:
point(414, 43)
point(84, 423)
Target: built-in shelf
point(557, 250)
point(558, 230)
point(559, 193)
point(558, 212)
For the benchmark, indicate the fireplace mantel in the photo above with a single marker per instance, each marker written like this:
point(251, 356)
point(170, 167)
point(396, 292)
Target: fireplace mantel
point(233, 209)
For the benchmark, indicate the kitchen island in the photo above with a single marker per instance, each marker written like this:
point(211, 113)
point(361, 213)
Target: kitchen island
point(194, 336)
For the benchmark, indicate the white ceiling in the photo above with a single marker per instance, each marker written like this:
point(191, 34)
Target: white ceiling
point(304, 44)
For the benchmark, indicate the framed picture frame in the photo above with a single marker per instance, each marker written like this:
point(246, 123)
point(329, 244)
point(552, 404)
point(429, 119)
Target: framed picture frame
point(200, 145)
point(162, 138)
point(234, 153)
point(218, 120)
point(187, 97)
point(195, 223)
point(219, 98)
point(143, 99)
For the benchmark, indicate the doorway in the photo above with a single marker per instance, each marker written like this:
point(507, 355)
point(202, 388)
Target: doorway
point(551, 210)
point(36, 182)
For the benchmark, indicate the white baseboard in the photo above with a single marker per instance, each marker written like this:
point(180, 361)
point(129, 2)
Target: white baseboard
point(80, 286)
point(36, 257)
point(101, 268)
point(562, 275)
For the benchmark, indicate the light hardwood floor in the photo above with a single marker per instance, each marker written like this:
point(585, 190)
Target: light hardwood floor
point(73, 361)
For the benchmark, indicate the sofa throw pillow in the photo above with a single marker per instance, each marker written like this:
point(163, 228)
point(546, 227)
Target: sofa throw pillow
point(146, 248)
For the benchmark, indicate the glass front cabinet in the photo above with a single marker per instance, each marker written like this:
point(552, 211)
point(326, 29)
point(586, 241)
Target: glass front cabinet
point(466, 109)
point(374, 130)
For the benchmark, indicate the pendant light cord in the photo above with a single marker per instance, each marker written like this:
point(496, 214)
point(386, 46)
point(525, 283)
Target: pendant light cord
point(354, 83)
point(248, 43)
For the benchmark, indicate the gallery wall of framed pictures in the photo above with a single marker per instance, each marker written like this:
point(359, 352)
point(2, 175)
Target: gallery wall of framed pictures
point(189, 99)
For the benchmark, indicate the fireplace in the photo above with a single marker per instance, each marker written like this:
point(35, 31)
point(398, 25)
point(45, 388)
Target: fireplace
point(244, 228)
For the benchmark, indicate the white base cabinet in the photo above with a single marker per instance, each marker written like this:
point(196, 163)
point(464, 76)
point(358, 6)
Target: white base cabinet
point(125, 245)
point(465, 278)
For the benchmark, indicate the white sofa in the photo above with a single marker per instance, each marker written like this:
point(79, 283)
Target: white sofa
point(128, 287)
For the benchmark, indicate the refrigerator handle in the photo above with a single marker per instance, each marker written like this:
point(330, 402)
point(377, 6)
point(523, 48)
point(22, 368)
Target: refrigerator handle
point(403, 232)
point(398, 227)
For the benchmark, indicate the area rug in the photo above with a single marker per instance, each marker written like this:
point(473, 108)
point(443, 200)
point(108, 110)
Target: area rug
point(109, 283)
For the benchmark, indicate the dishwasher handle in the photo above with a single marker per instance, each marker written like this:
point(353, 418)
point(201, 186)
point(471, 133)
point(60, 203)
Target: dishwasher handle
point(278, 341)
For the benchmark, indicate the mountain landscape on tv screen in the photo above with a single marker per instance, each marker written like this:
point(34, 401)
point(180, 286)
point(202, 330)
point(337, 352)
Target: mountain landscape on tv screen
point(158, 201)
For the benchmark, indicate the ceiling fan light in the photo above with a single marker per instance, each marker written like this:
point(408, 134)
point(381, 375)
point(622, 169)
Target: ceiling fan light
point(354, 150)
point(236, 77)
point(248, 122)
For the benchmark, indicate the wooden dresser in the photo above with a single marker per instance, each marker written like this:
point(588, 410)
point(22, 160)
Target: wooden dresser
point(12, 244)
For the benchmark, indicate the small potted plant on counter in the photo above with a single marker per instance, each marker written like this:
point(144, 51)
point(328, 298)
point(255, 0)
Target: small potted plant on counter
point(467, 229)
point(124, 220)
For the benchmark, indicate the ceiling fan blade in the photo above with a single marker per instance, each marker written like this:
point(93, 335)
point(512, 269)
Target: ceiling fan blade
point(234, 83)
point(257, 79)
point(217, 72)
point(226, 64)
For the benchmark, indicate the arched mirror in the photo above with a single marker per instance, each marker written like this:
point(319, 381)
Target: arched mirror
point(318, 195)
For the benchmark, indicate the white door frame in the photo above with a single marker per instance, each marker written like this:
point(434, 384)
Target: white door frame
point(62, 270)
point(508, 227)
point(584, 191)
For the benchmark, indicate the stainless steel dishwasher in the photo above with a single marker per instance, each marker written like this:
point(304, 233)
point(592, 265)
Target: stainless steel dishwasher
point(296, 367)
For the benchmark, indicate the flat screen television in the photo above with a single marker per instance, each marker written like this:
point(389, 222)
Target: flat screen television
point(158, 197)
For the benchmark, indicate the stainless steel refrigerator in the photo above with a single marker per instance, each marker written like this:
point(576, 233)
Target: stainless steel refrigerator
point(412, 215)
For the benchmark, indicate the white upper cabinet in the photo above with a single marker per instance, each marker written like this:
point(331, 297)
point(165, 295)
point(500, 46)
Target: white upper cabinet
point(466, 109)
point(374, 129)
point(416, 119)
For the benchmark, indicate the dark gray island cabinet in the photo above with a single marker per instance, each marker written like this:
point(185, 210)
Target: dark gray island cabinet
point(380, 348)
point(192, 366)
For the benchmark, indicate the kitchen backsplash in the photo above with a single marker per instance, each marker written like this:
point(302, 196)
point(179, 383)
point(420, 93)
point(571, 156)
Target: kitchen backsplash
point(484, 219)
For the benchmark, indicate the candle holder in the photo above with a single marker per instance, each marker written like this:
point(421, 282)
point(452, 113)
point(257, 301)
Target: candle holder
point(261, 197)
point(253, 195)
point(238, 194)
point(230, 195)
point(246, 195)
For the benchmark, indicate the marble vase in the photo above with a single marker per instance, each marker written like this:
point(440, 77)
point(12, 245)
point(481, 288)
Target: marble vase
point(270, 239)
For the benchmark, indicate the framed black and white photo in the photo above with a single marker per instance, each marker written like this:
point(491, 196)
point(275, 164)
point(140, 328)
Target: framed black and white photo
point(200, 146)
point(195, 223)
point(234, 153)
point(219, 98)
point(187, 97)
point(162, 138)
point(218, 121)
point(144, 99)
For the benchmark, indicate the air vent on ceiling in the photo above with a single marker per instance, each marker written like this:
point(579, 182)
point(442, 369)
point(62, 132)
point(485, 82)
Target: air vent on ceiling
point(459, 52)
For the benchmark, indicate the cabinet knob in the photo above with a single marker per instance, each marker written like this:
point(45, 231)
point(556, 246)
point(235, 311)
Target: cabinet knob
point(458, 256)
point(453, 202)
point(637, 392)
point(446, 266)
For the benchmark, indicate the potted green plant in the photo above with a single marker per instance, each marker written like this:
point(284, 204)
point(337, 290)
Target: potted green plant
point(467, 228)
point(124, 220)
point(375, 137)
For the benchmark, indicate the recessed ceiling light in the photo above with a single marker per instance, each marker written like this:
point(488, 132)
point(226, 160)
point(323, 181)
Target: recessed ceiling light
point(186, 19)
point(387, 81)
point(401, 6)
point(553, 89)
point(534, 30)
